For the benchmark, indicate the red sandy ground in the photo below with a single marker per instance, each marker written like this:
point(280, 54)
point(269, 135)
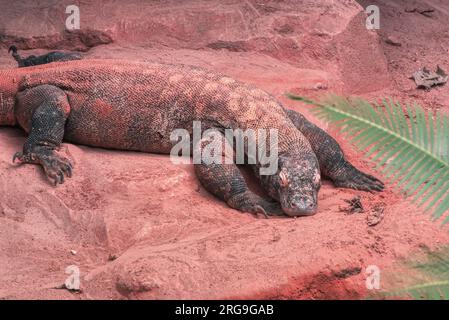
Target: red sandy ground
point(141, 227)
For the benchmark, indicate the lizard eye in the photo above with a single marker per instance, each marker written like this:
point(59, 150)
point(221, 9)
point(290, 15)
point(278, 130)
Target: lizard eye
point(283, 179)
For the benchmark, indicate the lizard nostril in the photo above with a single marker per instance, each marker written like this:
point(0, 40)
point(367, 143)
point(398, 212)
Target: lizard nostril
point(305, 205)
point(301, 208)
point(302, 205)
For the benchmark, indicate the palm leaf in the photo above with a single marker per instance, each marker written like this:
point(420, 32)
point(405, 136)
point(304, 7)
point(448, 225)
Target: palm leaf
point(407, 143)
point(435, 268)
point(436, 264)
point(438, 290)
point(411, 146)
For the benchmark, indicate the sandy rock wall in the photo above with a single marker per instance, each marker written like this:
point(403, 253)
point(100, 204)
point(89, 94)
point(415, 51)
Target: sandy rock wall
point(320, 35)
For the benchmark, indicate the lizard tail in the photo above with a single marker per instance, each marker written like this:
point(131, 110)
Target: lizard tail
point(12, 48)
point(15, 55)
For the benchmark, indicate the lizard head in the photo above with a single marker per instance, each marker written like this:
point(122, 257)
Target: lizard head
point(296, 184)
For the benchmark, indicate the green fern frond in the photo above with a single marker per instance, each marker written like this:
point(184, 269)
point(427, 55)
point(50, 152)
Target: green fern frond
point(411, 146)
point(438, 290)
point(435, 272)
point(435, 266)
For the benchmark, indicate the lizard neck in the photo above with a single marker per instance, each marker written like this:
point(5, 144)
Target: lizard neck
point(8, 90)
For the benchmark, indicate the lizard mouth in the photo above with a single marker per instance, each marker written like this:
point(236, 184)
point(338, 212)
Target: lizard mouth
point(299, 212)
point(304, 206)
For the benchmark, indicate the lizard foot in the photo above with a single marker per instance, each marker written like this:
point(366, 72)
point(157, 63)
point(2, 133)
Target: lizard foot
point(352, 178)
point(55, 166)
point(252, 203)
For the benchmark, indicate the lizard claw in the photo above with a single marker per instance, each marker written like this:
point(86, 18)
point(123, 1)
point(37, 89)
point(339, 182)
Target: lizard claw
point(252, 203)
point(56, 169)
point(55, 166)
point(259, 209)
point(351, 177)
point(17, 155)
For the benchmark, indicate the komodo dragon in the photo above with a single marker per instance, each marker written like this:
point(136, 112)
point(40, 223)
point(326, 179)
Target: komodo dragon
point(135, 106)
point(42, 59)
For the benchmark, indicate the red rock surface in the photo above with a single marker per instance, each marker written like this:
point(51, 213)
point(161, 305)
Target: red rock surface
point(142, 227)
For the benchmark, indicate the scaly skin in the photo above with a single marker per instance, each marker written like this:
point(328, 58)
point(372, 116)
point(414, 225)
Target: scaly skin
point(333, 163)
point(43, 59)
point(136, 106)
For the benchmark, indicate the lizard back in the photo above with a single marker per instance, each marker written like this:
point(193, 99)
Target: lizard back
point(135, 106)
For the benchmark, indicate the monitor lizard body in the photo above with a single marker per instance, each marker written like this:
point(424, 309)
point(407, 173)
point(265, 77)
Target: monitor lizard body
point(136, 106)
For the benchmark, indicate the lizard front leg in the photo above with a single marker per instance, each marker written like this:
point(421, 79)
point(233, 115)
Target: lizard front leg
point(225, 181)
point(43, 111)
point(333, 163)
